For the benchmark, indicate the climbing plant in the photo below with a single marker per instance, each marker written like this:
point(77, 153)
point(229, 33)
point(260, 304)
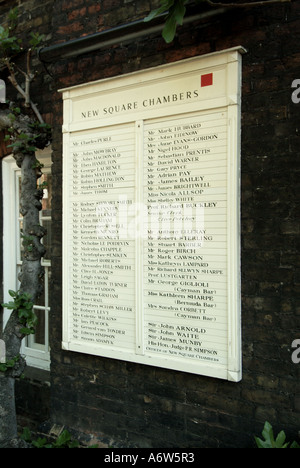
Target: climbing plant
point(25, 133)
point(175, 10)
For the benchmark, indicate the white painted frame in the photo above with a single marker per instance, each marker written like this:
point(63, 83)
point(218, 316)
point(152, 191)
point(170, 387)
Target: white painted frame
point(76, 98)
point(11, 262)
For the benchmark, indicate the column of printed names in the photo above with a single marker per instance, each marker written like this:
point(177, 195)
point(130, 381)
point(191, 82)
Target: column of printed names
point(102, 259)
point(185, 167)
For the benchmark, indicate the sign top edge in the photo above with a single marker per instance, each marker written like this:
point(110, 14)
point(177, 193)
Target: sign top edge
point(239, 49)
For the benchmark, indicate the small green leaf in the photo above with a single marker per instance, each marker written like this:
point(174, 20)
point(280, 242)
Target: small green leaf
point(179, 11)
point(9, 305)
point(23, 136)
point(175, 10)
point(165, 6)
point(169, 29)
point(40, 442)
point(10, 363)
point(270, 442)
point(268, 432)
point(36, 39)
point(295, 445)
point(26, 331)
point(26, 434)
point(280, 439)
point(63, 438)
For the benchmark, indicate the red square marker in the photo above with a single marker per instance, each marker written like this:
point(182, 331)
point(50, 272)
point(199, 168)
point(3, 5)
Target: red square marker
point(207, 80)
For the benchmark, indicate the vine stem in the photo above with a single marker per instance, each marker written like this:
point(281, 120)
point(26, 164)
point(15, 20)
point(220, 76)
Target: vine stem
point(28, 78)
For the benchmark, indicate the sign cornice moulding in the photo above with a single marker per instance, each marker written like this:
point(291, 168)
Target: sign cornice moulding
point(161, 71)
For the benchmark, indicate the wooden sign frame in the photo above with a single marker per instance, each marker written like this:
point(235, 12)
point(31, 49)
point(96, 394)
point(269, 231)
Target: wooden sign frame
point(151, 216)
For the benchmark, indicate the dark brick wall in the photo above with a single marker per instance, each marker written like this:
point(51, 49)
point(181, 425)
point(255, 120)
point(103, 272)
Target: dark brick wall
point(157, 407)
point(1, 247)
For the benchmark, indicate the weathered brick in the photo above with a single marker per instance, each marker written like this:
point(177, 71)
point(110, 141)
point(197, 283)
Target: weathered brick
point(69, 29)
point(74, 14)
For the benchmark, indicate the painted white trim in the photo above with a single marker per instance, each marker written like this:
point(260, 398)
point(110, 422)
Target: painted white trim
point(86, 114)
point(34, 357)
point(9, 169)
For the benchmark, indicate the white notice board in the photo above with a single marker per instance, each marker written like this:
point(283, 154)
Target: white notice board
point(151, 237)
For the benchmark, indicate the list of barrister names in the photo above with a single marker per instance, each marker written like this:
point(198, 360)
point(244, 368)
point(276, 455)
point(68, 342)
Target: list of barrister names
point(184, 173)
point(102, 265)
point(185, 253)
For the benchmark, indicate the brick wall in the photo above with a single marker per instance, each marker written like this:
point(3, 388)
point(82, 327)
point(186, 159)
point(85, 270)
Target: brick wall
point(156, 407)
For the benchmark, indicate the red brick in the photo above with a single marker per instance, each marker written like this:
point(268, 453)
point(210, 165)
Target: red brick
point(70, 28)
point(71, 4)
point(93, 9)
point(111, 4)
point(76, 13)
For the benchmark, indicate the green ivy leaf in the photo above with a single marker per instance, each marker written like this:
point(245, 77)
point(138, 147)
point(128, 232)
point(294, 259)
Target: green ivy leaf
point(10, 363)
point(269, 440)
point(36, 39)
point(26, 434)
point(63, 439)
point(9, 305)
point(40, 442)
point(280, 439)
point(165, 6)
point(169, 29)
point(32, 149)
point(26, 331)
point(175, 10)
point(179, 11)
